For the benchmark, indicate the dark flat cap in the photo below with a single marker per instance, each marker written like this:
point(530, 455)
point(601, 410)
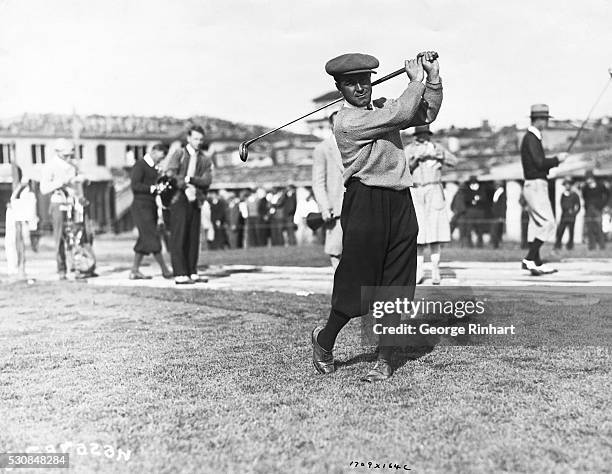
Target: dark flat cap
point(351, 63)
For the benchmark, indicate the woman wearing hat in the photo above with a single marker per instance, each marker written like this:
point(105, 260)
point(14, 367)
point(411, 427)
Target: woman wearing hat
point(426, 159)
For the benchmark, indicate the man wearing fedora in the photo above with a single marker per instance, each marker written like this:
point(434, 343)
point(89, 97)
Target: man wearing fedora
point(535, 191)
point(378, 219)
point(425, 159)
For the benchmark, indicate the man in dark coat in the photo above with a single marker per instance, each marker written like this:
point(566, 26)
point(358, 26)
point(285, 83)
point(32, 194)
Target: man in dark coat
point(475, 199)
point(192, 170)
point(595, 197)
point(289, 207)
point(570, 206)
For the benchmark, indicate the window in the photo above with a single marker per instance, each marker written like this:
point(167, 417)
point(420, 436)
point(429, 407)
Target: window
point(135, 152)
point(38, 154)
point(101, 155)
point(5, 153)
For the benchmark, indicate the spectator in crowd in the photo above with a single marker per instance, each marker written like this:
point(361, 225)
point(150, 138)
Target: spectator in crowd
point(289, 206)
point(276, 212)
point(21, 216)
point(595, 197)
point(263, 212)
point(328, 188)
point(145, 213)
point(570, 206)
point(498, 213)
point(252, 219)
point(61, 176)
point(244, 214)
point(193, 172)
point(207, 230)
point(303, 208)
point(218, 210)
point(524, 221)
point(425, 159)
point(458, 209)
point(235, 223)
point(476, 205)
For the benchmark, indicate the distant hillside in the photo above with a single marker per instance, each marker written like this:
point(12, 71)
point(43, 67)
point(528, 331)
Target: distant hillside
point(132, 126)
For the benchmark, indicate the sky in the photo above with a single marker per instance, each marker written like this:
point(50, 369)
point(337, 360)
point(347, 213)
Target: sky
point(262, 61)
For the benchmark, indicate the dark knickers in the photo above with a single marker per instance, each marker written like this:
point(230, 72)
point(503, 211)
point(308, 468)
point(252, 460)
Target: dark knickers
point(379, 244)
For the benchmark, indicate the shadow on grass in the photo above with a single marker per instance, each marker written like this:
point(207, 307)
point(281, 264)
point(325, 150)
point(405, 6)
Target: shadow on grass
point(401, 355)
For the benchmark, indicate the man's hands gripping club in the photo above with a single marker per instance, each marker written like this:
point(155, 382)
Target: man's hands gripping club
point(425, 62)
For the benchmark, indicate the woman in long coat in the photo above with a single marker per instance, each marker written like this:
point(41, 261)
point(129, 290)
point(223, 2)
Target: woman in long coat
point(426, 159)
point(144, 211)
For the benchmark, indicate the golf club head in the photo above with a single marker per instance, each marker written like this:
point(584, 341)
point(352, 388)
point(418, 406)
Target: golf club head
point(243, 151)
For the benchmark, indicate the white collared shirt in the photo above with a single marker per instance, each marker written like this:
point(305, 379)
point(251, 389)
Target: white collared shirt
point(148, 160)
point(498, 193)
point(191, 150)
point(535, 131)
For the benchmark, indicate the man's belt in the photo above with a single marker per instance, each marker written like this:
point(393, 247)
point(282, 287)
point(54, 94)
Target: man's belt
point(420, 185)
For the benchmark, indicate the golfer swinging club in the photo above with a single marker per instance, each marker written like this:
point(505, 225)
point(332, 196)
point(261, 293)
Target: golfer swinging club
point(378, 218)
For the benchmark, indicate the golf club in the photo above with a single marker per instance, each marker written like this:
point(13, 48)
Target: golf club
point(590, 111)
point(244, 146)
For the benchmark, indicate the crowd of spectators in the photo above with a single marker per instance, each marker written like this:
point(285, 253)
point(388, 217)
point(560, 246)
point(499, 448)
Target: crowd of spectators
point(250, 218)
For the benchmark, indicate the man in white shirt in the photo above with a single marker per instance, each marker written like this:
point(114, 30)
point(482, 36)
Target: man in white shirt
point(60, 178)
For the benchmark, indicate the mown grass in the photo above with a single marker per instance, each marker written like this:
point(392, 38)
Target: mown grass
point(119, 248)
point(209, 381)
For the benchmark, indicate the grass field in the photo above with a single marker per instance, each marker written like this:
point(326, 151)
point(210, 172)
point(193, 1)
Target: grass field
point(206, 381)
point(119, 248)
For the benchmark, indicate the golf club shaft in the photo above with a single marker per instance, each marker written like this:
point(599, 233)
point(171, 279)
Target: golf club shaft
point(378, 81)
point(588, 115)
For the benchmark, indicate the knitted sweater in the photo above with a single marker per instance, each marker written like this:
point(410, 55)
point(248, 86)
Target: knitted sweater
point(369, 140)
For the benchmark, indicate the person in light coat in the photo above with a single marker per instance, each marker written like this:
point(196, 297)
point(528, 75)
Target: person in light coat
point(328, 188)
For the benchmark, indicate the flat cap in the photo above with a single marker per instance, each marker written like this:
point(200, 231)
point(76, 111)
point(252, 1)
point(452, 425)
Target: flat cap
point(351, 63)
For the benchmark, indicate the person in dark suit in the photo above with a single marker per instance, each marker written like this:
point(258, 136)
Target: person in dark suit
point(595, 197)
point(570, 206)
point(277, 216)
point(218, 214)
point(263, 212)
point(289, 207)
point(475, 199)
point(498, 214)
point(144, 211)
point(193, 172)
point(234, 222)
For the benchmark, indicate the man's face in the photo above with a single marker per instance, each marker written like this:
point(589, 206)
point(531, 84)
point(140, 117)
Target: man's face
point(157, 156)
point(356, 88)
point(568, 186)
point(422, 137)
point(195, 139)
point(540, 123)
